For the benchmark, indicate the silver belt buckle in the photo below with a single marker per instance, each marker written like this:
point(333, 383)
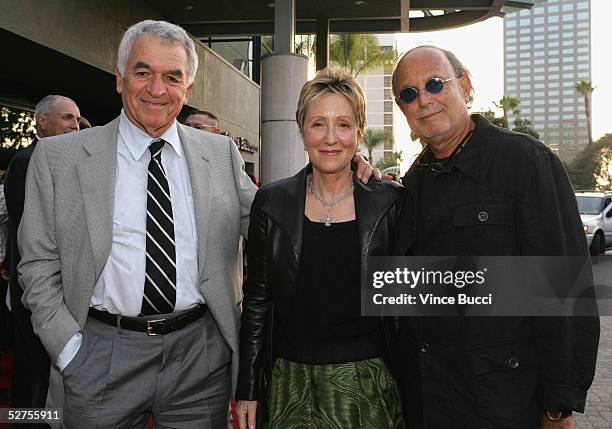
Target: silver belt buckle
point(149, 327)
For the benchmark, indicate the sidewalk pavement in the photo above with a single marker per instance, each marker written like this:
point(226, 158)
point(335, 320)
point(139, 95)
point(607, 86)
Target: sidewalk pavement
point(598, 412)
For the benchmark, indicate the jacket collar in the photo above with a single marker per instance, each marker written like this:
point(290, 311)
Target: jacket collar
point(370, 206)
point(473, 160)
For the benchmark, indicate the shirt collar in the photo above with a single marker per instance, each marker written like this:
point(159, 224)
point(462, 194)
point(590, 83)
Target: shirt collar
point(138, 141)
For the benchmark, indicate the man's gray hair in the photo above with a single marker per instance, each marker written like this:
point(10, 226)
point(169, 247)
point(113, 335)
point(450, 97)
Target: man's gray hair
point(46, 105)
point(168, 33)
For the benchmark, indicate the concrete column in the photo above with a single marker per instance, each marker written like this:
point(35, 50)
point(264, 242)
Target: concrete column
point(282, 150)
point(284, 26)
point(322, 59)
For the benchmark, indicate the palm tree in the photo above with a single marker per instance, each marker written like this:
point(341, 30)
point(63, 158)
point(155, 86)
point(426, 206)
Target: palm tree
point(585, 89)
point(509, 103)
point(374, 138)
point(359, 52)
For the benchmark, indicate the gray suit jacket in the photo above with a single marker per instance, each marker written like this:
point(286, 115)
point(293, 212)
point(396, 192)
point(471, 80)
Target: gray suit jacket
point(66, 231)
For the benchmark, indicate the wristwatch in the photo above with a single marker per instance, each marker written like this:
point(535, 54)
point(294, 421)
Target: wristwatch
point(557, 416)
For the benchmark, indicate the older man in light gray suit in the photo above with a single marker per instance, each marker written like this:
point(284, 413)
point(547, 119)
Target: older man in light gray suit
point(129, 251)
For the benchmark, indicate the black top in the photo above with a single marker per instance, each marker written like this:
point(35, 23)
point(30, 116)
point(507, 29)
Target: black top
point(325, 323)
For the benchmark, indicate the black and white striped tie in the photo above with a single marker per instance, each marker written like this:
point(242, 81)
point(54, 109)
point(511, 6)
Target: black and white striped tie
point(160, 272)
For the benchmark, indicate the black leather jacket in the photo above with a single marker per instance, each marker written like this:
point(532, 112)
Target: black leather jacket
point(274, 247)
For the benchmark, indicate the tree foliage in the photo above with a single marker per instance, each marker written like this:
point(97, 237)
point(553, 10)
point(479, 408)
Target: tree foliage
point(511, 104)
point(390, 160)
point(585, 89)
point(373, 138)
point(17, 127)
point(592, 167)
point(359, 52)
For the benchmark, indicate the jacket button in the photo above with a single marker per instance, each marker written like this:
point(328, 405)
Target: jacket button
point(425, 347)
point(513, 363)
point(483, 216)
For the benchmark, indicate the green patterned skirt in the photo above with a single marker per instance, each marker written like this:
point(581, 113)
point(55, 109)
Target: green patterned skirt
point(348, 395)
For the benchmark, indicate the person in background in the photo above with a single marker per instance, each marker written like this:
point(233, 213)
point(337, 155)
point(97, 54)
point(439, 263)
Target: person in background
point(203, 120)
point(55, 115)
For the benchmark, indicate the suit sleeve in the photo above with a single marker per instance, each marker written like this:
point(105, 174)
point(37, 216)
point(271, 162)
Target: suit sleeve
point(566, 346)
point(245, 188)
point(39, 268)
point(256, 306)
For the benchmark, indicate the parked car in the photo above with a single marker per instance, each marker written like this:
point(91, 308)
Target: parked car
point(596, 214)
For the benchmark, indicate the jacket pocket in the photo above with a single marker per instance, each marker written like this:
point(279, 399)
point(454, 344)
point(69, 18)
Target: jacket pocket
point(503, 357)
point(483, 213)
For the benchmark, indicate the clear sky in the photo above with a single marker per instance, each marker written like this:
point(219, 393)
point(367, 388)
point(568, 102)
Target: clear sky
point(480, 48)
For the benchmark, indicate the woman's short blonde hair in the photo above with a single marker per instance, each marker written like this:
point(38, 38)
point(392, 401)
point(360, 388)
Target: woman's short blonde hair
point(336, 80)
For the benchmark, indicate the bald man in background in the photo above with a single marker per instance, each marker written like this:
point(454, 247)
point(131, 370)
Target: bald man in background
point(55, 115)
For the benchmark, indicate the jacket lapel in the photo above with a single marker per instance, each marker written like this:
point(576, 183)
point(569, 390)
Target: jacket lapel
point(200, 179)
point(97, 181)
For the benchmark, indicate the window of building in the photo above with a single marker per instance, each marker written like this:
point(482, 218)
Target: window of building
point(525, 111)
point(510, 23)
point(582, 25)
point(568, 42)
point(582, 50)
point(525, 54)
point(525, 63)
point(539, 86)
point(388, 119)
point(510, 72)
point(538, 37)
point(553, 108)
point(568, 75)
point(567, 7)
point(569, 26)
point(387, 81)
point(583, 41)
point(568, 108)
point(582, 15)
point(582, 74)
point(510, 47)
point(538, 70)
point(553, 76)
point(568, 35)
point(553, 53)
point(553, 69)
point(553, 28)
point(582, 5)
point(553, 101)
point(553, 36)
point(553, 18)
point(538, 20)
point(511, 88)
point(539, 61)
point(525, 21)
point(525, 39)
point(388, 106)
point(583, 66)
point(583, 58)
point(582, 33)
point(510, 33)
point(538, 94)
point(552, 9)
point(568, 51)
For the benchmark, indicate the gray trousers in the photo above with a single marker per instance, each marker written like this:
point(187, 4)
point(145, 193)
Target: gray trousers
point(118, 378)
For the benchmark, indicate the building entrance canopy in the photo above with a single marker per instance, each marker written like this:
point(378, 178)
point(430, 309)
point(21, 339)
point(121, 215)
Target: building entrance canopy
point(256, 17)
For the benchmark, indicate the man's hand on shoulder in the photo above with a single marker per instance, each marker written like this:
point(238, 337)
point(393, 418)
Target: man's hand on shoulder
point(365, 169)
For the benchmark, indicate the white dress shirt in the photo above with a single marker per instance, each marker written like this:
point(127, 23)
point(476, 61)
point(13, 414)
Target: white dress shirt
point(119, 290)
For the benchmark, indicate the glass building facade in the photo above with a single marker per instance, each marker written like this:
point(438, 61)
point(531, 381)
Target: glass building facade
point(547, 51)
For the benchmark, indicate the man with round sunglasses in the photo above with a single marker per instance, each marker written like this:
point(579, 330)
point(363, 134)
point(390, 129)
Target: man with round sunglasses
point(480, 190)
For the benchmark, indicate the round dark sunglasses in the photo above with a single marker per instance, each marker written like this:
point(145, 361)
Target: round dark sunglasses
point(434, 85)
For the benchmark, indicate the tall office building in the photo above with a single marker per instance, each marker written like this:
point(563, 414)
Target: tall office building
point(376, 85)
point(547, 51)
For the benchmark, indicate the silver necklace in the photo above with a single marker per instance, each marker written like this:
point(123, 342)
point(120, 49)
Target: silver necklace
point(328, 204)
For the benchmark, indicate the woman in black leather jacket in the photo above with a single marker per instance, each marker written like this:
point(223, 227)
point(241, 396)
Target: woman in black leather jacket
point(307, 357)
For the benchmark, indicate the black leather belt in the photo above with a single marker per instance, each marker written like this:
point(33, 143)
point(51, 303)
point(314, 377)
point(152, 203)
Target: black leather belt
point(151, 326)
